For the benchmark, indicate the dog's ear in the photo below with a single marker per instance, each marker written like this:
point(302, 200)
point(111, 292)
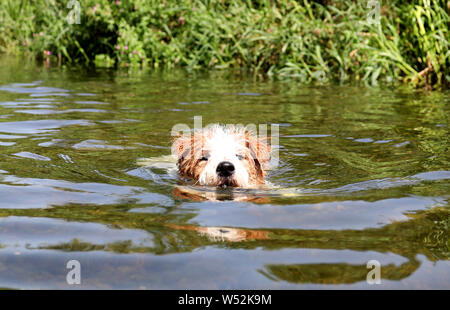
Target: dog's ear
point(187, 146)
point(259, 150)
point(259, 169)
point(182, 146)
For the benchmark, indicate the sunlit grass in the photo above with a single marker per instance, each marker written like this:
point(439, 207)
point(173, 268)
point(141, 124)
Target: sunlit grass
point(312, 41)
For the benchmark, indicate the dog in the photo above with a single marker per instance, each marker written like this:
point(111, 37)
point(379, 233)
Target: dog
point(222, 156)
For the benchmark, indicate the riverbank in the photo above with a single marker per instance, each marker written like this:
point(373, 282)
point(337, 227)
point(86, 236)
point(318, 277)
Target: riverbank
point(306, 40)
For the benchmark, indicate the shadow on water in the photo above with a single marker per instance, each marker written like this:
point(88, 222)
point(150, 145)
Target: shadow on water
point(363, 175)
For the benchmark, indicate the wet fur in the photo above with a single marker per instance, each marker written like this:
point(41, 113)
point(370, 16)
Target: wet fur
point(191, 149)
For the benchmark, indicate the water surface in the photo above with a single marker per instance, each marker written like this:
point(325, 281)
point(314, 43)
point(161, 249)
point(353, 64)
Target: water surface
point(363, 175)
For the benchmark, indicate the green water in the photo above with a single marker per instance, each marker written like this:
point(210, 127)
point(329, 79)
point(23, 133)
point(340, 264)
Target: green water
point(363, 175)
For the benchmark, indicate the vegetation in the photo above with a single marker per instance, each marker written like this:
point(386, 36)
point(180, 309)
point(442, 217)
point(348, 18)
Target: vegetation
point(324, 41)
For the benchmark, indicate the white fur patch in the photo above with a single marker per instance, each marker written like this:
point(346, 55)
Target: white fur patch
point(224, 145)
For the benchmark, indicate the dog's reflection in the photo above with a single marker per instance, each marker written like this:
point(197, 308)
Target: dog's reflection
point(223, 234)
point(217, 194)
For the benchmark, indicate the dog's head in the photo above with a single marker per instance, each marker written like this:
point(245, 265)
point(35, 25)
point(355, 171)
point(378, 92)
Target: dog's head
point(222, 156)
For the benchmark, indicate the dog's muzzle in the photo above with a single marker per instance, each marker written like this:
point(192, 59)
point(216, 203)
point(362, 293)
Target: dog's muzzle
point(225, 169)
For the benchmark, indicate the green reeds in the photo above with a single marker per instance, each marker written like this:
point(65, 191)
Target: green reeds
point(312, 41)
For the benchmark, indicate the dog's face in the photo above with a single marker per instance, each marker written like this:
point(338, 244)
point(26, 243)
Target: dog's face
point(222, 156)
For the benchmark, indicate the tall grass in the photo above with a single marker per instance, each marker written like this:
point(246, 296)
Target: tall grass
point(307, 40)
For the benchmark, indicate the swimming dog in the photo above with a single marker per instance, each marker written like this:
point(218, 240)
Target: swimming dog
point(222, 156)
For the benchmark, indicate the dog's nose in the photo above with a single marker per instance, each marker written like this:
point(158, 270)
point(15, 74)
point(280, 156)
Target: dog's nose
point(225, 169)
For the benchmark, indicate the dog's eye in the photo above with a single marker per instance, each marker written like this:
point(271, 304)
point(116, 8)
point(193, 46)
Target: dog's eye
point(205, 156)
point(240, 157)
